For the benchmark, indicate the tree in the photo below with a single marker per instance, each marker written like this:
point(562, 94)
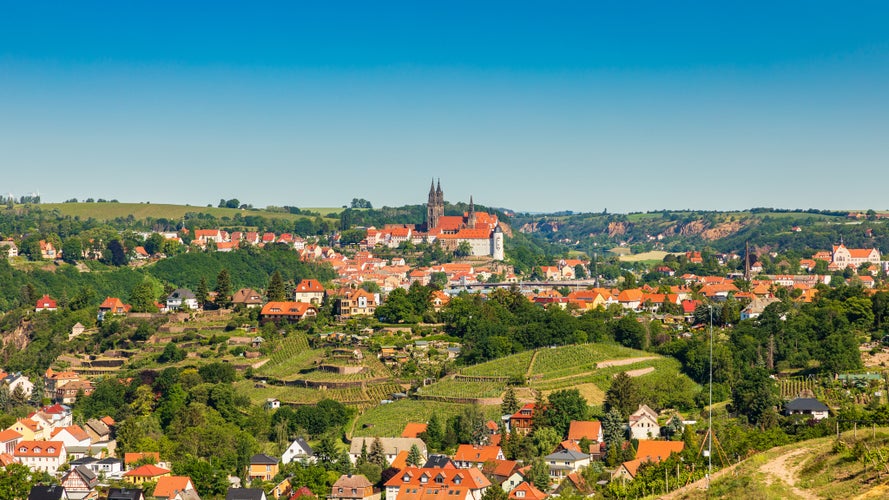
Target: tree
point(172, 354)
point(510, 403)
point(564, 406)
point(494, 493)
point(116, 254)
point(613, 435)
point(154, 243)
point(142, 298)
point(202, 292)
point(15, 482)
point(434, 433)
point(377, 455)
point(539, 474)
point(546, 439)
point(464, 249)
point(414, 457)
point(223, 289)
point(623, 395)
point(580, 272)
point(72, 249)
point(275, 290)
point(754, 395)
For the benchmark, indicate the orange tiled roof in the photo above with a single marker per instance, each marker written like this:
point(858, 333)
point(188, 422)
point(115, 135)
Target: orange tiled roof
point(528, 492)
point(75, 431)
point(579, 429)
point(8, 435)
point(400, 461)
point(470, 453)
point(131, 458)
point(146, 470)
point(170, 485)
point(412, 429)
point(286, 309)
point(39, 448)
point(658, 450)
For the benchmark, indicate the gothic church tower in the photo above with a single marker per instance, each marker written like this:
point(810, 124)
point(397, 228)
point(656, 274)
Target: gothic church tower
point(434, 206)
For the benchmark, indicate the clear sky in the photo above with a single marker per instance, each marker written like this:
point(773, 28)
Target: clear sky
point(585, 106)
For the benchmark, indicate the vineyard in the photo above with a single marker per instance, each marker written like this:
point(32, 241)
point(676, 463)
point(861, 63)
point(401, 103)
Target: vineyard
point(457, 389)
point(510, 366)
point(791, 388)
point(577, 359)
point(390, 419)
point(291, 355)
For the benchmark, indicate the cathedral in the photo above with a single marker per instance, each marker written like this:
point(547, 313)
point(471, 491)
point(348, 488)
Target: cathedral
point(480, 229)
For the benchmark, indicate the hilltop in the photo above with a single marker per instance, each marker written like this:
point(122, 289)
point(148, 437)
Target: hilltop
point(139, 211)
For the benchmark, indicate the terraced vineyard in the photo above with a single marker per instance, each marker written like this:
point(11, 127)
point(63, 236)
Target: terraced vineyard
point(390, 419)
point(577, 359)
point(459, 389)
point(602, 377)
point(292, 355)
point(511, 366)
point(379, 392)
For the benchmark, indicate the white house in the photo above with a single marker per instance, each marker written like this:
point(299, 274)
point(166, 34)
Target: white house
point(564, 462)
point(41, 456)
point(182, 298)
point(807, 406)
point(298, 451)
point(643, 424)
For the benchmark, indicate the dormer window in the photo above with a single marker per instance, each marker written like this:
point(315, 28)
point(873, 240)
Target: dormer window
point(520, 494)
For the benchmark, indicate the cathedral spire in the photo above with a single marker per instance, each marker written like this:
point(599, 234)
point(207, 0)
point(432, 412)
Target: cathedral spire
point(432, 187)
point(471, 205)
point(438, 191)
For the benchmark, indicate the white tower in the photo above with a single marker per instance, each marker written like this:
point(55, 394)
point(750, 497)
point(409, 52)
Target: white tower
point(497, 243)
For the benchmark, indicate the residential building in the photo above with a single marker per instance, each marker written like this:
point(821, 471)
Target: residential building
point(564, 462)
point(843, 257)
point(8, 439)
point(658, 450)
point(247, 298)
point(79, 482)
point(46, 303)
point(643, 423)
point(309, 290)
point(413, 429)
point(475, 456)
point(125, 494)
point(245, 494)
point(807, 406)
point(98, 430)
point(353, 487)
point(144, 473)
point(68, 393)
point(298, 451)
point(174, 488)
point(262, 467)
point(418, 483)
point(113, 306)
point(8, 248)
point(18, 382)
point(287, 311)
point(357, 303)
point(43, 456)
point(526, 491)
point(54, 492)
point(521, 421)
point(182, 298)
point(30, 430)
point(72, 436)
point(585, 429)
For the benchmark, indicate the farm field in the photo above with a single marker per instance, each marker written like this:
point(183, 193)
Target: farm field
point(109, 211)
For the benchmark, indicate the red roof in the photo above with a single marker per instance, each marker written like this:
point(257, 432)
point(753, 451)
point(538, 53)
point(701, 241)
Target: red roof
point(650, 449)
point(288, 309)
point(476, 454)
point(526, 491)
point(8, 435)
point(309, 285)
point(146, 470)
point(170, 485)
point(39, 448)
point(46, 302)
point(412, 429)
point(131, 458)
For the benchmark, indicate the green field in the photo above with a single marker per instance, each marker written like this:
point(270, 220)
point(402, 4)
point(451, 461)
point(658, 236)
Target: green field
point(575, 359)
point(456, 389)
point(510, 366)
point(109, 211)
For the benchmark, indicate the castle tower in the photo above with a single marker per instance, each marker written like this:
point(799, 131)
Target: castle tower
point(434, 206)
point(497, 243)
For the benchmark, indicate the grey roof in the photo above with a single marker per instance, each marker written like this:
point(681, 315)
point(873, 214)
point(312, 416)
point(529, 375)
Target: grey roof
point(83, 460)
point(305, 446)
point(125, 494)
point(263, 459)
point(438, 462)
point(98, 426)
point(566, 455)
point(85, 473)
point(54, 492)
point(182, 293)
point(806, 404)
point(244, 494)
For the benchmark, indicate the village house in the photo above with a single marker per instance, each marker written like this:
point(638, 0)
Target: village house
point(353, 487)
point(262, 467)
point(521, 420)
point(52, 492)
point(125, 494)
point(807, 406)
point(8, 439)
point(526, 491)
point(79, 482)
point(287, 311)
point(298, 451)
point(9, 249)
point(245, 494)
point(16, 382)
point(46, 303)
point(357, 303)
point(42, 456)
point(456, 484)
point(643, 423)
point(113, 306)
point(145, 473)
point(182, 298)
point(309, 290)
point(30, 430)
point(175, 488)
point(843, 257)
point(247, 298)
point(564, 462)
point(475, 456)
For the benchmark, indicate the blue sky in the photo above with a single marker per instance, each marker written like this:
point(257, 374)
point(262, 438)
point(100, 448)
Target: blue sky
point(582, 106)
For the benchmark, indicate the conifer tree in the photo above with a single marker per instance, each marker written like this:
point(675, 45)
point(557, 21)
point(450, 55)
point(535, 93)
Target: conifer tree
point(223, 289)
point(275, 290)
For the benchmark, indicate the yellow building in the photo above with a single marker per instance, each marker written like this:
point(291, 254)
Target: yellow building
point(262, 467)
point(144, 473)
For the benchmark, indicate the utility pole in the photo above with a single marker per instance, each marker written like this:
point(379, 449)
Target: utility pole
point(710, 409)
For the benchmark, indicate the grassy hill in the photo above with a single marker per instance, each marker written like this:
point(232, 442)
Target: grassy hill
point(850, 467)
point(110, 211)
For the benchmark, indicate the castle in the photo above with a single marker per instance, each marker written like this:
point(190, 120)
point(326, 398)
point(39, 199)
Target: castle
point(480, 230)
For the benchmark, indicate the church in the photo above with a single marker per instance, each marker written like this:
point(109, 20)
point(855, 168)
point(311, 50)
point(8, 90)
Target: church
point(480, 229)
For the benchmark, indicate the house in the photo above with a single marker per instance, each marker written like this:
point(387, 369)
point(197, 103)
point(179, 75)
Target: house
point(475, 456)
point(113, 305)
point(516, 478)
point(564, 462)
point(46, 303)
point(54, 492)
point(247, 298)
point(131, 459)
point(757, 306)
point(125, 494)
point(287, 311)
point(526, 491)
point(30, 430)
point(43, 456)
point(627, 470)
point(590, 430)
point(67, 394)
point(144, 473)
point(173, 488)
point(8, 248)
point(357, 303)
point(97, 430)
point(182, 298)
point(79, 482)
point(643, 423)
point(309, 290)
point(73, 435)
point(807, 406)
point(391, 446)
point(298, 451)
point(272, 403)
point(843, 257)
point(76, 330)
point(107, 466)
point(499, 471)
point(521, 420)
point(282, 490)
point(353, 487)
point(262, 467)
point(18, 382)
point(48, 250)
point(657, 451)
point(8, 439)
point(52, 380)
point(418, 483)
point(245, 494)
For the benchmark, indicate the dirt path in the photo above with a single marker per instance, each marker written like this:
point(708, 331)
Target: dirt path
point(623, 362)
point(531, 365)
point(781, 469)
point(639, 372)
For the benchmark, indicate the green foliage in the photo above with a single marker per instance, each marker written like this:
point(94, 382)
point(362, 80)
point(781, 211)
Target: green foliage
point(623, 396)
point(565, 406)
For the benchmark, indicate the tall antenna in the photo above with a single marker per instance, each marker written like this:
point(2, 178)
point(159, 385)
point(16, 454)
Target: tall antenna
point(710, 409)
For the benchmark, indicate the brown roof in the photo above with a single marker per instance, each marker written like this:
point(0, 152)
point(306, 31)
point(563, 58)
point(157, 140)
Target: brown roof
point(352, 481)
